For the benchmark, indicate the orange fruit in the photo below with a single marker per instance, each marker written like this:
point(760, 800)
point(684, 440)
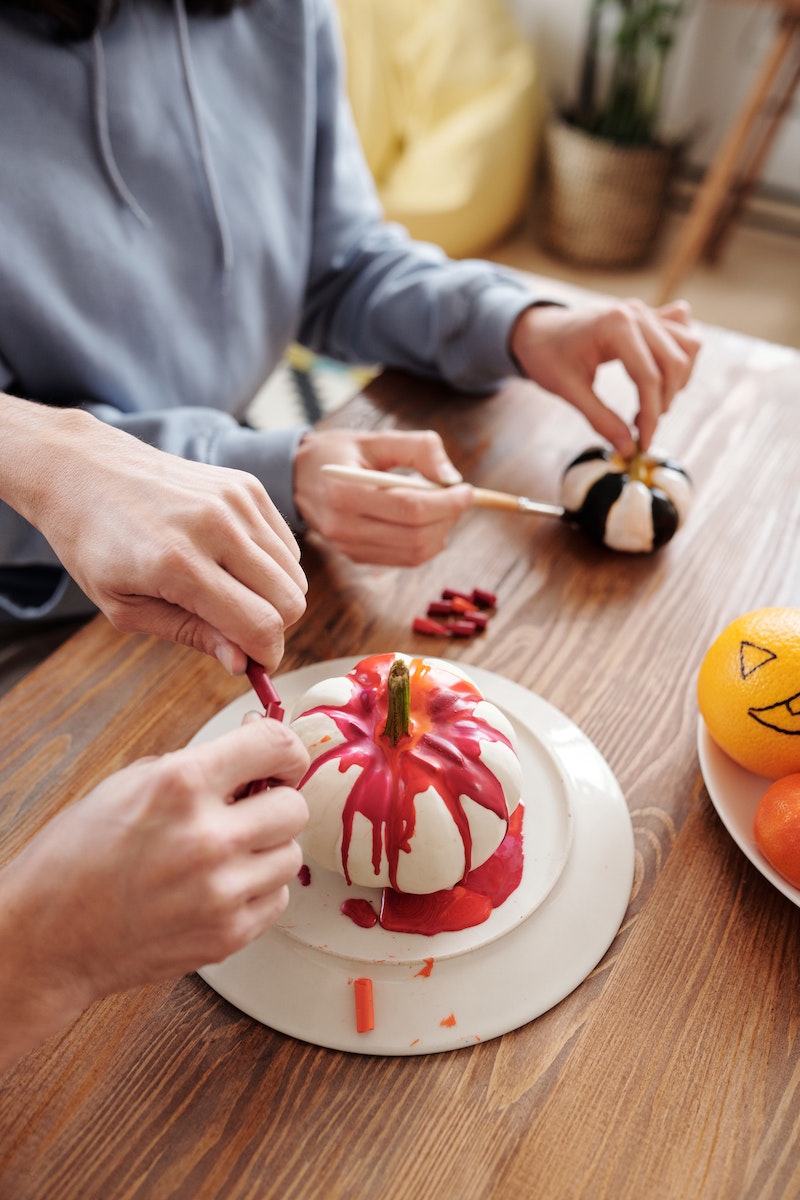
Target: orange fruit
point(748, 691)
point(777, 827)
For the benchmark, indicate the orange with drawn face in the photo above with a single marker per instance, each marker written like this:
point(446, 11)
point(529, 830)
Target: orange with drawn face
point(748, 691)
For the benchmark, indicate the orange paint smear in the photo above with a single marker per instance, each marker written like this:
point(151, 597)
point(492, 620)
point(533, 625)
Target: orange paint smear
point(449, 1022)
point(424, 973)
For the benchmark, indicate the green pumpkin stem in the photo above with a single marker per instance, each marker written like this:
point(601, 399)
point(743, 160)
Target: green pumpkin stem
point(398, 714)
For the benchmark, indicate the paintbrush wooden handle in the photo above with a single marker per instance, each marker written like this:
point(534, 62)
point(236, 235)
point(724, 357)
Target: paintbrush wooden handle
point(380, 479)
point(485, 498)
point(481, 497)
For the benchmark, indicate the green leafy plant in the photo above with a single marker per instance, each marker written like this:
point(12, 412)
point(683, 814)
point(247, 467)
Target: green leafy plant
point(637, 35)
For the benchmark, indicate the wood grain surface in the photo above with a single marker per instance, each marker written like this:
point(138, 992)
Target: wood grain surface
point(673, 1070)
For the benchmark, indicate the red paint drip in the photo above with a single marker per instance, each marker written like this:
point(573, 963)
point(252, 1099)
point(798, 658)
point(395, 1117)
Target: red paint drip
point(304, 875)
point(451, 909)
point(441, 750)
point(501, 874)
point(425, 972)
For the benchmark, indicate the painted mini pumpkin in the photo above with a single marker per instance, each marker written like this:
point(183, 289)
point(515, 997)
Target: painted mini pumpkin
point(413, 774)
point(633, 505)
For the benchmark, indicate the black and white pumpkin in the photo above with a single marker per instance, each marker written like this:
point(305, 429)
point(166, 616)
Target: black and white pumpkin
point(634, 505)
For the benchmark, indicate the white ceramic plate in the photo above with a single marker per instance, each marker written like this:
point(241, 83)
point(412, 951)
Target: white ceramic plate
point(735, 794)
point(452, 990)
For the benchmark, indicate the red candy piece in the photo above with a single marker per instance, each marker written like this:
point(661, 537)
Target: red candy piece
point(469, 611)
point(463, 606)
point(430, 628)
point(463, 628)
point(441, 608)
point(479, 619)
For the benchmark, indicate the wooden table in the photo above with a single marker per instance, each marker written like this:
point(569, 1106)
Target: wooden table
point(672, 1071)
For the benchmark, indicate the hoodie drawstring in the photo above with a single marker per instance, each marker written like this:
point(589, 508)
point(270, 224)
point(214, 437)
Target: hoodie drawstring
point(223, 231)
point(120, 188)
point(100, 99)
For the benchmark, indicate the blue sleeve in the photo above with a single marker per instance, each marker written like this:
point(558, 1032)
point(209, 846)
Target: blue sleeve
point(376, 296)
point(208, 436)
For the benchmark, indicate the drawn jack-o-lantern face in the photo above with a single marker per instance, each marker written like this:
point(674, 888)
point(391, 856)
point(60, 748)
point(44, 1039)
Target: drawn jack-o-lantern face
point(748, 691)
point(781, 715)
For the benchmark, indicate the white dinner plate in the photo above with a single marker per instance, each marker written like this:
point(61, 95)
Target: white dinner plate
point(735, 794)
point(452, 990)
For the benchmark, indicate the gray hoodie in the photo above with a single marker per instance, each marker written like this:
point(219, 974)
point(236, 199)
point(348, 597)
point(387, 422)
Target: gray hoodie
point(179, 199)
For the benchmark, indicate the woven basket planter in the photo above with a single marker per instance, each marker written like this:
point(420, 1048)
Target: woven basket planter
point(602, 204)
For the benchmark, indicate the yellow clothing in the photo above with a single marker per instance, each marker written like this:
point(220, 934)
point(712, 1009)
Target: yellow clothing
point(446, 99)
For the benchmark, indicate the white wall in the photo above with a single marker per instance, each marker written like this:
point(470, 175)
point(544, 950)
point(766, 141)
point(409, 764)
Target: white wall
point(719, 51)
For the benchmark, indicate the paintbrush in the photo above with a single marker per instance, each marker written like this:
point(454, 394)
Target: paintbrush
point(481, 497)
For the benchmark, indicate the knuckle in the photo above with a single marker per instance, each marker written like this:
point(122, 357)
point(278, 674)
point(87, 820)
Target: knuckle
point(208, 851)
point(122, 616)
point(619, 315)
point(294, 859)
point(281, 899)
point(294, 607)
point(292, 753)
point(411, 508)
point(301, 818)
point(419, 550)
point(432, 438)
point(269, 625)
point(182, 780)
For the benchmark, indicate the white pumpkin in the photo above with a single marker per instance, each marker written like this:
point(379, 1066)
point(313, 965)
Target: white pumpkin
point(407, 789)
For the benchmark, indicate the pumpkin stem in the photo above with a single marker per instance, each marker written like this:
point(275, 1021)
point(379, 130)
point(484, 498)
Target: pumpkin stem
point(398, 713)
point(638, 466)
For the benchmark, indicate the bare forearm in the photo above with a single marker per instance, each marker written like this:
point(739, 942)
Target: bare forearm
point(34, 1004)
point(35, 439)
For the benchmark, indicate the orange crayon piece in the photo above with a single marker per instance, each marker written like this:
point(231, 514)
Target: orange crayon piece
point(365, 1010)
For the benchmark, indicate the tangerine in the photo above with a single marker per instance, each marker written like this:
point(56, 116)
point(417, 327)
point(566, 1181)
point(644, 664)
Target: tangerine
point(777, 827)
point(748, 691)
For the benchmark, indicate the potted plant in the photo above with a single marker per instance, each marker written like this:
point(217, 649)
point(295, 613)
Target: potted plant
point(606, 169)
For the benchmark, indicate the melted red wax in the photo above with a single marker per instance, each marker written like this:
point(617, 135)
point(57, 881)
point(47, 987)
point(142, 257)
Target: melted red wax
point(467, 904)
point(442, 750)
point(360, 913)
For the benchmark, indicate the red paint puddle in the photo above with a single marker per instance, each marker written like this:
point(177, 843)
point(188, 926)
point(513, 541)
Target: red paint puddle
point(467, 904)
point(360, 912)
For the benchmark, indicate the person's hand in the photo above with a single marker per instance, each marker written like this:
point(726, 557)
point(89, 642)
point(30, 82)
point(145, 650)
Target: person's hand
point(153, 874)
point(562, 348)
point(193, 553)
point(397, 526)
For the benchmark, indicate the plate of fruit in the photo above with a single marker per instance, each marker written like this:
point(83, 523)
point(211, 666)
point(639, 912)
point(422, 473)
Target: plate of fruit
point(748, 739)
